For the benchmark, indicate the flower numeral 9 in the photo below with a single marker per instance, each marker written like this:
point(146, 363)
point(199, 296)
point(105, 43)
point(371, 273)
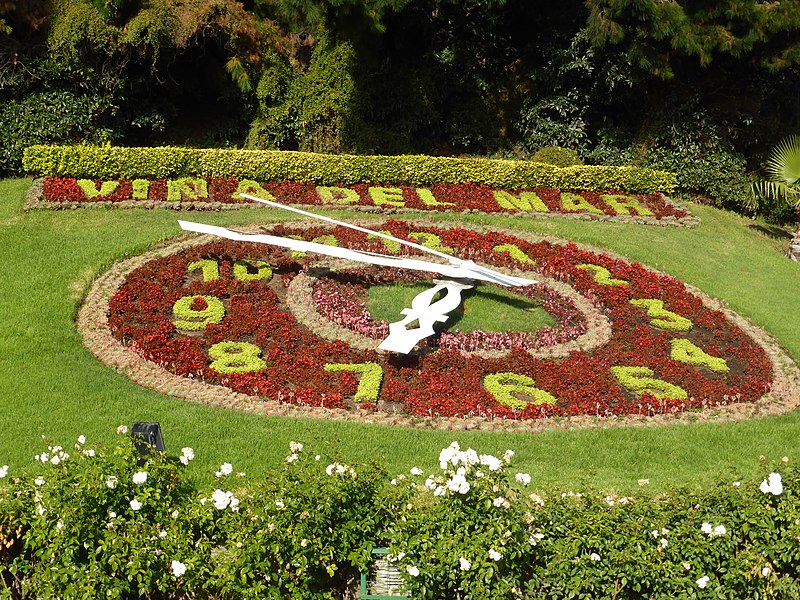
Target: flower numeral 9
point(195, 312)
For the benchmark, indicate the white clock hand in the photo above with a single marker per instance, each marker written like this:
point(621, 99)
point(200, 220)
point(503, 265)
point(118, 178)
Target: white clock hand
point(424, 310)
point(464, 270)
point(451, 259)
point(470, 270)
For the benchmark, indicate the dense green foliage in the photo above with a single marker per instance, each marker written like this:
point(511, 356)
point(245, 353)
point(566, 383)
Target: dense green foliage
point(332, 169)
point(705, 88)
point(555, 155)
point(93, 520)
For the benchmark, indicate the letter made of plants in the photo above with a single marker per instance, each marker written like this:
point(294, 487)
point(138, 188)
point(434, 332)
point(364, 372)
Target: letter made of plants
point(216, 193)
point(273, 326)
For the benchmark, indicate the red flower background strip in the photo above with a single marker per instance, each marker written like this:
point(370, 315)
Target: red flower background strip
point(219, 193)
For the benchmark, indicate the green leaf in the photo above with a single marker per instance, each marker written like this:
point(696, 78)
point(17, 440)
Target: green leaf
point(783, 164)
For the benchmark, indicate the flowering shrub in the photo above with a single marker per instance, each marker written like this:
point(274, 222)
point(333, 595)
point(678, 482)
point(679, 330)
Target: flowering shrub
point(216, 193)
point(102, 522)
point(94, 523)
point(303, 335)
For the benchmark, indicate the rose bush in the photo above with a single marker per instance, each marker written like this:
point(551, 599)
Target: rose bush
point(97, 520)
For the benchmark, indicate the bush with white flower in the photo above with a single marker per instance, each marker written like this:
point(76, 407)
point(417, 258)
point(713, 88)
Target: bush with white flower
point(463, 528)
point(112, 524)
point(85, 520)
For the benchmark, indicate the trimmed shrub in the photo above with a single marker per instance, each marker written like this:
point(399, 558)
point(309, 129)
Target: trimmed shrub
point(108, 162)
point(555, 155)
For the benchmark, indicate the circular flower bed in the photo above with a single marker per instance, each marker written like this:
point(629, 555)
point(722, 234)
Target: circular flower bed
point(230, 316)
point(333, 304)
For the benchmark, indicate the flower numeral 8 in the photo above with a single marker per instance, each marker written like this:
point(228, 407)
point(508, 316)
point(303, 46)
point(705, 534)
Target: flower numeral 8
point(236, 357)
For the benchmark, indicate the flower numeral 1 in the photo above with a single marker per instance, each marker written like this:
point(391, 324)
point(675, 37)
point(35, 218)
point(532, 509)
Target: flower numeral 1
point(505, 386)
point(210, 269)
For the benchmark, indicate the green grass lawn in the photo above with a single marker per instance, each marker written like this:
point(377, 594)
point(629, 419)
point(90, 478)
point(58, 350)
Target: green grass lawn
point(50, 384)
point(478, 311)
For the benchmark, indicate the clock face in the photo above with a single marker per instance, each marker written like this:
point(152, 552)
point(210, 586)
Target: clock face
point(266, 326)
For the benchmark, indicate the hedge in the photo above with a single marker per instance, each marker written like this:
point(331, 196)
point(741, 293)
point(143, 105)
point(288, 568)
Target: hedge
point(92, 521)
point(106, 162)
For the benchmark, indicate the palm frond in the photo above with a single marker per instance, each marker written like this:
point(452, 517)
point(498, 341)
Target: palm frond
point(783, 164)
point(776, 191)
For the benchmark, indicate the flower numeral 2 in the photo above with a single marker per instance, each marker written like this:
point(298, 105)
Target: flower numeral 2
point(662, 318)
point(601, 274)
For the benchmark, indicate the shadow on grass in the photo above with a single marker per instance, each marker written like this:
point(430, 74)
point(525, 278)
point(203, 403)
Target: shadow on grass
point(773, 231)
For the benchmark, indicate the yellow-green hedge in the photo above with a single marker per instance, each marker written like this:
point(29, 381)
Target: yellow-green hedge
point(107, 162)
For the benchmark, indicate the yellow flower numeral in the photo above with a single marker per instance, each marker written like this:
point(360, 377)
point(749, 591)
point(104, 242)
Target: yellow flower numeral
point(236, 357)
point(504, 386)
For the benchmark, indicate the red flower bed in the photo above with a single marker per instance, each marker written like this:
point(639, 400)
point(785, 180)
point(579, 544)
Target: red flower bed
point(291, 359)
point(207, 192)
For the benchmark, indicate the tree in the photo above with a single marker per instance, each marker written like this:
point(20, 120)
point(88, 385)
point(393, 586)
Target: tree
point(658, 34)
point(783, 185)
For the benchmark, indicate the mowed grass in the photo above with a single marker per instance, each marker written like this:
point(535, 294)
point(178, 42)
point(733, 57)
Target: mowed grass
point(486, 308)
point(50, 384)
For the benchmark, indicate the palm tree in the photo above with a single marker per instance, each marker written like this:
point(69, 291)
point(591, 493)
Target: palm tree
point(783, 185)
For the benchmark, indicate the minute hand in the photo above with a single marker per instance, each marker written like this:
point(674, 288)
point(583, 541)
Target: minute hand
point(464, 269)
point(467, 265)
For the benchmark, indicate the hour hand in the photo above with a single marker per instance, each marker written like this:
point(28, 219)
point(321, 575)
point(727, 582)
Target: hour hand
point(460, 270)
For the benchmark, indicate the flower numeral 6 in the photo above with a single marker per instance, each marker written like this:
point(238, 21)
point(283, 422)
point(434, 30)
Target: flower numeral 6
point(504, 386)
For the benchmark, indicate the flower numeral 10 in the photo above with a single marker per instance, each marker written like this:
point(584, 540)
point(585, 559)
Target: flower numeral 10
point(242, 269)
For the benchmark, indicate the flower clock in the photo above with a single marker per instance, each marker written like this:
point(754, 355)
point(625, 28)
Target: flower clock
point(268, 328)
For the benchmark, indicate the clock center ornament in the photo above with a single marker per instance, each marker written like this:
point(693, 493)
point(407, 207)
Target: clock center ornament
point(285, 327)
point(402, 338)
